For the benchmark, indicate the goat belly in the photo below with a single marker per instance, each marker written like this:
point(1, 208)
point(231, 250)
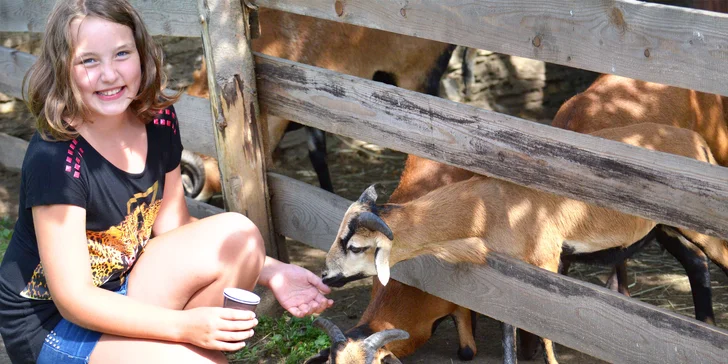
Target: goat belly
point(609, 256)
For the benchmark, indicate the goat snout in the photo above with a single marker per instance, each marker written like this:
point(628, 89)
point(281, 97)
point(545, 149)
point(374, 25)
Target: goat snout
point(340, 280)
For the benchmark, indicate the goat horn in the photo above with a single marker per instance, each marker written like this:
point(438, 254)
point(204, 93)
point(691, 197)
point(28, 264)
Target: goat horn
point(369, 196)
point(373, 222)
point(378, 339)
point(331, 329)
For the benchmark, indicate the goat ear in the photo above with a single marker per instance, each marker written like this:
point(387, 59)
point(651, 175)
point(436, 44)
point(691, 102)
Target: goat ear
point(369, 196)
point(381, 262)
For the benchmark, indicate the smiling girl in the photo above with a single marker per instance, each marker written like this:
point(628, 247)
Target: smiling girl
point(106, 265)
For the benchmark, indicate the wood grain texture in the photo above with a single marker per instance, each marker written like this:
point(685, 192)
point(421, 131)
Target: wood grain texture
point(662, 187)
point(235, 114)
point(12, 151)
point(162, 17)
point(577, 314)
point(13, 66)
point(664, 44)
point(305, 213)
point(194, 112)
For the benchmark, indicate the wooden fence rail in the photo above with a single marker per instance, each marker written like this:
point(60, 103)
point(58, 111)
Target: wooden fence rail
point(665, 44)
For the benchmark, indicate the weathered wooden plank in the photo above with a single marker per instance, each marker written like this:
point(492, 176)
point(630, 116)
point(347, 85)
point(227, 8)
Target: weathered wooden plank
point(235, 114)
point(305, 213)
point(666, 188)
point(665, 44)
point(200, 209)
point(195, 124)
point(162, 17)
point(194, 111)
point(577, 314)
point(13, 66)
point(12, 151)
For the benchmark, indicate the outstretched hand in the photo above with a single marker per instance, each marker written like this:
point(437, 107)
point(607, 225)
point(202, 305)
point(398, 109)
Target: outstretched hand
point(299, 291)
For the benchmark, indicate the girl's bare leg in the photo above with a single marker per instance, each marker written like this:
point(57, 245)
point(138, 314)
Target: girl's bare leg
point(186, 268)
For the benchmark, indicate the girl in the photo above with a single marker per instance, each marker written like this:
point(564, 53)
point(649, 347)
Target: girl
point(101, 189)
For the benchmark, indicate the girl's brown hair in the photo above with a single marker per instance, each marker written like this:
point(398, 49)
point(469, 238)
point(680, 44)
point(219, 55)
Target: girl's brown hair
point(52, 96)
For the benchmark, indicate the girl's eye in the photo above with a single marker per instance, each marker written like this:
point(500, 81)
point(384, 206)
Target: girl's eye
point(122, 54)
point(88, 61)
point(357, 250)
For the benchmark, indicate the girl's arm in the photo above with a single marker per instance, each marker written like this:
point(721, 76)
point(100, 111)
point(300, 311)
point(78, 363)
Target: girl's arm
point(173, 213)
point(60, 230)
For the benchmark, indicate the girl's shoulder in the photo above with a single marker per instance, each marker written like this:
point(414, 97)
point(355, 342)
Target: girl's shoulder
point(51, 152)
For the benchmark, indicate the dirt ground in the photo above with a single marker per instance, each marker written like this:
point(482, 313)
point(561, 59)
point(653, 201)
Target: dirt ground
point(655, 277)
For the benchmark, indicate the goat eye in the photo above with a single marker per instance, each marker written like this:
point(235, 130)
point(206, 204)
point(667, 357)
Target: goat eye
point(357, 250)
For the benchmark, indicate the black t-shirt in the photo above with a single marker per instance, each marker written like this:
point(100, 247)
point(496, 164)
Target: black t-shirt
point(120, 210)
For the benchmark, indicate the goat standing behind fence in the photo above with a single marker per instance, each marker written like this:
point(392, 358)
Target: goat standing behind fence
point(483, 214)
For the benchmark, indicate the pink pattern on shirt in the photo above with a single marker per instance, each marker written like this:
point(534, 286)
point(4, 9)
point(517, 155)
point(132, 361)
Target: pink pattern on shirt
point(74, 168)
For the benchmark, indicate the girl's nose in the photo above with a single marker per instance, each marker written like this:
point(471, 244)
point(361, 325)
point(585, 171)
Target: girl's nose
point(108, 72)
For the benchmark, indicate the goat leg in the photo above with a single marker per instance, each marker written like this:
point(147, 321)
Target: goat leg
point(317, 155)
point(695, 263)
point(618, 279)
point(549, 351)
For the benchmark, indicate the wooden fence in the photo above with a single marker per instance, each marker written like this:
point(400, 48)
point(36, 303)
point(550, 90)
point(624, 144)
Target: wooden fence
point(674, 46)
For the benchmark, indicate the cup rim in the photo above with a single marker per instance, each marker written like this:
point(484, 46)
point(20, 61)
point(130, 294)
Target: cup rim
point(241, 295)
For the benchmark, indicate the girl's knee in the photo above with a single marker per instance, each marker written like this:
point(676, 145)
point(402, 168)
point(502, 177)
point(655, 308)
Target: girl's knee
point(241, 235)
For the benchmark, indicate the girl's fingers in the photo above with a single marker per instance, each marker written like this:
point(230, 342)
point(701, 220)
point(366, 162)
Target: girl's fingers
point(226, 346)
point(296, 312)
point(233, 314)
point(231, 325)
point(234, 336)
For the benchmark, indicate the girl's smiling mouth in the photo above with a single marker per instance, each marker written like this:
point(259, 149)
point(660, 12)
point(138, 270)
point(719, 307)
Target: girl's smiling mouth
point(111, 94)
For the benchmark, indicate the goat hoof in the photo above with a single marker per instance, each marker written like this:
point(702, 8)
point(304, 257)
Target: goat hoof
point(466, 353)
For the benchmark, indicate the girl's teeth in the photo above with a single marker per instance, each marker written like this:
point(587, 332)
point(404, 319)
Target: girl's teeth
point(110, 93)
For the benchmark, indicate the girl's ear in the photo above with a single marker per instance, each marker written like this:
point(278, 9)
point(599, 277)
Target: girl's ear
point(381, 261)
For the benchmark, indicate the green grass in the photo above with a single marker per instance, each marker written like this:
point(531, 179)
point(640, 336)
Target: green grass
point(6, 231)
point(282, 340)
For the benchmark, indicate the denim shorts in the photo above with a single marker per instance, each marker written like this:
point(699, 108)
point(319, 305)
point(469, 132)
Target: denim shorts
point(69, 343)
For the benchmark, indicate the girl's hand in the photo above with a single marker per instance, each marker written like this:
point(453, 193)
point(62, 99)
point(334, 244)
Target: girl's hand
point(299, 291)
point(217, 328)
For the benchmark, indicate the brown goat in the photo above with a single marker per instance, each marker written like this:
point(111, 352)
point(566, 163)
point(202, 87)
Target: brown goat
point(483, 214)
point(614, 101)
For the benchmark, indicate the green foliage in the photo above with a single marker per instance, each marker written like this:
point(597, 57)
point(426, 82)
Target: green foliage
point(6, 231)
point(288, 339)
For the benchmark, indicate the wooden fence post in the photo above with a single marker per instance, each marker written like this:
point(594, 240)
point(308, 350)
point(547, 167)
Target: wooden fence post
point(239, 132)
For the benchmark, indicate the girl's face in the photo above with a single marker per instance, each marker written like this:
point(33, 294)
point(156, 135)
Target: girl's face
point(106, 66)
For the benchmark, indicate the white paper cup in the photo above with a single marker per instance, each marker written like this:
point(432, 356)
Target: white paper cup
point(240, 299)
